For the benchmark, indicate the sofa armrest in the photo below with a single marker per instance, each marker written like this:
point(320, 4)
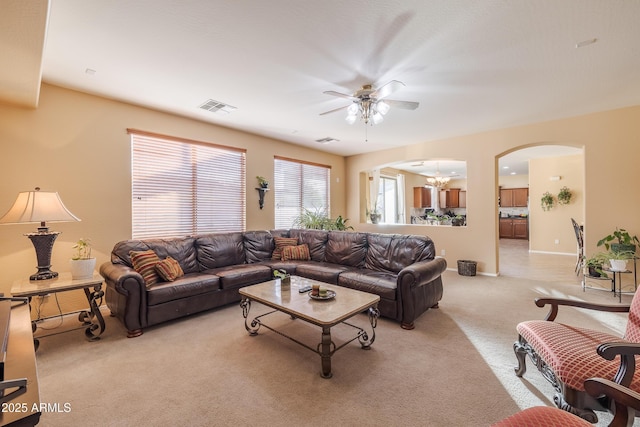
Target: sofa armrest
point(556, 302)
point(419, 288)
point(422, 272)
point(126, 294)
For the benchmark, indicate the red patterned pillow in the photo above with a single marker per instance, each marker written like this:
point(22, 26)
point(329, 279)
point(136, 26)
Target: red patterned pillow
point(281, 243)
point(144, 262)
point(169, 269)
point(300, 253)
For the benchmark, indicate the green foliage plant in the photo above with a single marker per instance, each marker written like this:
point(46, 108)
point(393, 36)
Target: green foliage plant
point(319, 220)
point(547, 201)
point(620, 236)
point(82, 249)
point(564, 196)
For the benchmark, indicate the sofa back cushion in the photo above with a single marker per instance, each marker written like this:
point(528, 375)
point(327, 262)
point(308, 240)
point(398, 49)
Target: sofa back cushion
point(315, 239)
point(258, 246)
point(346, 248)
point(393, 252)
point(181, 249)
point(219, 250)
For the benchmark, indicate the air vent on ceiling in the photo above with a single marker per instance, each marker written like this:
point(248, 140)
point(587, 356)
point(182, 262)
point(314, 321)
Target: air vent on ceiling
point(217, 106)
point(326, 140)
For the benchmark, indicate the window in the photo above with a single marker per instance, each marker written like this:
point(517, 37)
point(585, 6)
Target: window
point(182, 187)
point(299, 186)
point(388, 199)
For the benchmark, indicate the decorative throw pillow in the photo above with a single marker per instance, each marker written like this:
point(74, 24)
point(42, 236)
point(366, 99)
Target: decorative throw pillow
point(300, 253)
point(144, 262)
point(282, 242)
point(169, 269)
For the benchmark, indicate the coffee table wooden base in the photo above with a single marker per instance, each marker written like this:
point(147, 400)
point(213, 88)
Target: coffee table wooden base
point(326, 347)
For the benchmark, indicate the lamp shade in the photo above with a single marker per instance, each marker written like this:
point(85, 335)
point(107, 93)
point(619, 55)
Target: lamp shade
point(38, 207)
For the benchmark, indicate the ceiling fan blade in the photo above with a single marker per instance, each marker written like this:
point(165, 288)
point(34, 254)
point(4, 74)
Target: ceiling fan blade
point(407, 105)
point(341, 95)
point(387, 89)
point(334, 110)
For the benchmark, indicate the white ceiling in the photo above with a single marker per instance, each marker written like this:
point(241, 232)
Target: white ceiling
point(473, 65)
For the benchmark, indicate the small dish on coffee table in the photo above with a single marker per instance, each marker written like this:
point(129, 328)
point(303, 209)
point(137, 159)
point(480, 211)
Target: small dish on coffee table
point(330, 294)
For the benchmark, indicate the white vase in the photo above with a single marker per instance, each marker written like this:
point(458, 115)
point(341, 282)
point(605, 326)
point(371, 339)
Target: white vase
point(82, 268)
point(618, 264)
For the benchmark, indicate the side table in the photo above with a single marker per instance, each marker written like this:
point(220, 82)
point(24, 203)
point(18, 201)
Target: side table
point(92, 287)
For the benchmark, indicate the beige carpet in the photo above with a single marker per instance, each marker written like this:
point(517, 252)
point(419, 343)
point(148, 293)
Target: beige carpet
point(454, 369)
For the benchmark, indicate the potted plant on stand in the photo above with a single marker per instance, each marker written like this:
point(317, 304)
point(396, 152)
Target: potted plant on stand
point(595, 264)
point(624, 242)
point(618, 259)
point(82, 263)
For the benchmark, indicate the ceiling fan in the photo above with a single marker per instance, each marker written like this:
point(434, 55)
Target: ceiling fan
point(371, 104)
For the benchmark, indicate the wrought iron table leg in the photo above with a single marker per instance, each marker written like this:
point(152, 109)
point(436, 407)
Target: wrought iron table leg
point(245, 304)
point(87, 317)
point(325, 352)
point(365, 342)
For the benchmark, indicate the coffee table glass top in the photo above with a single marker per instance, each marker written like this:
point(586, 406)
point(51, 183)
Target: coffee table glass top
point(345, 304)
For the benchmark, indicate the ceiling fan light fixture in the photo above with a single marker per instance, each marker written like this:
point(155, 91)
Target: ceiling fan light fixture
point(351, 118)
point(377, 118)
point(382, 107)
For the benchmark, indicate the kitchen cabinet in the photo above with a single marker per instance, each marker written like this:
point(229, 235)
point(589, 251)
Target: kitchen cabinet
point(514, 197)
point(421, 197)
point(514, 228)
point(450, 198)
point(463, 199)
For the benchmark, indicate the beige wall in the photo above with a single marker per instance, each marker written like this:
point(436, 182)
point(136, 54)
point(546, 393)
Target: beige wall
point(77, 145)
point(551, 231)
point(611, 142)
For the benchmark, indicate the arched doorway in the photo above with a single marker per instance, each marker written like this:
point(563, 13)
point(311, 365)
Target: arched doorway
point(538, 169)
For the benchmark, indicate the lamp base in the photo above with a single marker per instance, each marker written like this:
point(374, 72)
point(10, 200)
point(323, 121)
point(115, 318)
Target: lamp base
point(44, 275)
point(43, 243)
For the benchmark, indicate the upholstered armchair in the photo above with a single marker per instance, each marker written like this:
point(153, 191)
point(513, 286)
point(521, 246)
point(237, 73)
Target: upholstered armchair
point(569, 355)
point(626, 403)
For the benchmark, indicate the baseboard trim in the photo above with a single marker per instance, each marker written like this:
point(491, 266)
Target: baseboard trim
point(553, 253)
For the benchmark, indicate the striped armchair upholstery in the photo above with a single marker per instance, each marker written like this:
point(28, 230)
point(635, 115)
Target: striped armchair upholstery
point(568, 355)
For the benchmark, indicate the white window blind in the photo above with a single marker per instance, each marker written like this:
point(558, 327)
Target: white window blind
point(182, 187)
point(298, 186)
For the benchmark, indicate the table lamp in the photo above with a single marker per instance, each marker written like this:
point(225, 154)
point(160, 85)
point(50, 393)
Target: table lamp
point(40, 207)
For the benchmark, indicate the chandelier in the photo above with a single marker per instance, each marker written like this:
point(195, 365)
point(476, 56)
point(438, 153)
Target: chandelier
point(438, 181)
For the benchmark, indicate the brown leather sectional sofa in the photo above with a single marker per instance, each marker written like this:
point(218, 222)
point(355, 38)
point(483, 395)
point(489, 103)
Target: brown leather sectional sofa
point(402, 269)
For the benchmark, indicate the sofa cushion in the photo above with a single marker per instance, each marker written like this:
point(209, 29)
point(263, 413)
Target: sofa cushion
point(322, 271)
point(374, 282)
point(181, 249)
point(237, 276)
point(315, 239)
point(393, 252)
point(144, 262)
point(169, 269)
point(346, 248)
point(298, 253)
point(219, 250)
point(186, 286)
point(258, 246)
point(280, 243)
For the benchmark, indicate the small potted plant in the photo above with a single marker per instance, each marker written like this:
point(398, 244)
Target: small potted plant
point(374, 216)
point(618, 259)
point(285, 279)
point(547, 201)
point(595, 264)
point(624, 242)
point(262, 181)
point(564, 196)
point(82, 263)
point(457, 221)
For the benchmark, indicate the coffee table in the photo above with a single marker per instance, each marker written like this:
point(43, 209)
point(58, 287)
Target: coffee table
point(323, 313)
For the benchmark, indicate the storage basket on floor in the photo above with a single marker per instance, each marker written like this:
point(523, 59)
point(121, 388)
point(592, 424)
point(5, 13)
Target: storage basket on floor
point(466, 267)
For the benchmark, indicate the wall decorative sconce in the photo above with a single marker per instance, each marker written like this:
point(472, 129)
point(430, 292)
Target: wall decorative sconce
point(261, 192)
point(40, 207)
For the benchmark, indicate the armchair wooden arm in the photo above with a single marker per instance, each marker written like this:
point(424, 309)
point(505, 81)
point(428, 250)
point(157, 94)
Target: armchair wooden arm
point(627, 352)
point(556, 302)
point(625, 399)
